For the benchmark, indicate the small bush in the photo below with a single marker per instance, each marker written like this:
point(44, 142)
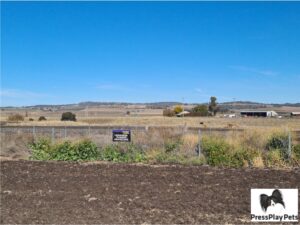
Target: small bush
point(296, 151)
point(296, 155)
point(124, 153)
point(280, 142)
point(172, 146)
point(86, 150)
point(168, 112)
point(273, 158)
point(220, 153)
point(177, 158)
point(68, 116)
point(41, 149)
point(200, 110)
point(30, 119)
point(42, 118)
point(15, 118)
point(110, 153)
point(217, 151)
point(65, 151)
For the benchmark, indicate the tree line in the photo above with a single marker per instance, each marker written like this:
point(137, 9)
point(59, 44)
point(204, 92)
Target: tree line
point(209, 109)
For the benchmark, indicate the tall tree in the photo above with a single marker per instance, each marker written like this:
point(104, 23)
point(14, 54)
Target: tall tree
point(213, 105)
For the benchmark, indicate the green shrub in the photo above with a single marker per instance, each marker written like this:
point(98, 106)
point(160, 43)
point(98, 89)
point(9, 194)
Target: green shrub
point(65, 151)
point(169, 158)
point(122, 153)
point(244, 157)
point(171, 146)
point(219, 153)
point(110, 153)
point(134, 154)
point(216, 151)
point(68, 116)
point(296, 155)
point(280, 142)
point(200, 110)
point(296, 151)
point(41, 149)
point(15, 118)
point(86, 150)
point(42, 118)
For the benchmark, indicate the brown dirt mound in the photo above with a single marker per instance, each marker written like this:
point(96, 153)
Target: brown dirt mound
point(73, 193)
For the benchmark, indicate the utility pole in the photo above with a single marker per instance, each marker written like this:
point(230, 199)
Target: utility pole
point(182, 106)
point(87, 111)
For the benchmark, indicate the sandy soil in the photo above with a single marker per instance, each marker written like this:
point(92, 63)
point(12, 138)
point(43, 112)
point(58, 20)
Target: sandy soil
point(68, 193)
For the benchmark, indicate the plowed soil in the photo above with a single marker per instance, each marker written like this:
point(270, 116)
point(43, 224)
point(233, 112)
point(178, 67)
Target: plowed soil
point(74, 193)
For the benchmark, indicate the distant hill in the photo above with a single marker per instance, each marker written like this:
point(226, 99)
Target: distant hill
point(225, 106)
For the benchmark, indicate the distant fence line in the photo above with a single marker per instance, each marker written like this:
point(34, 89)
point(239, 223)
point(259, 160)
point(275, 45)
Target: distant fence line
point(88, 131)
point(56, 132)
point(28, 129)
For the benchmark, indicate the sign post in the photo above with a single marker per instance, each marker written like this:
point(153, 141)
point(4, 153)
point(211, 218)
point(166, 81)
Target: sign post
point(121, 135)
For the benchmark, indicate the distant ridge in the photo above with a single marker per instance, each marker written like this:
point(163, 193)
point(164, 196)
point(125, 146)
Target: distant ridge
point(223, 105)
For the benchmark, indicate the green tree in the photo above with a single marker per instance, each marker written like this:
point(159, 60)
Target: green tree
point(213, 105)
point(202, 110)
point(68, 116)
point(42, 118)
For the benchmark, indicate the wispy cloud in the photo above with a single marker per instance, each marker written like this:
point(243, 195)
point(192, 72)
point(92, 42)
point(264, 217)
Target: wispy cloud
point(254, 70)
point(15, 93)
point(199, 90)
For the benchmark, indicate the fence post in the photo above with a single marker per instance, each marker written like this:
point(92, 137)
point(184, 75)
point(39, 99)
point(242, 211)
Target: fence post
point(185, 128)
point(290, 145)
point(33, 132)
point(199, 142)
point(65, 132)
point(52, 135)
point(89, 131)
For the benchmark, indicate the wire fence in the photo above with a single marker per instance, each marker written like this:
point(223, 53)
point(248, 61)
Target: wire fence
point(17, 137)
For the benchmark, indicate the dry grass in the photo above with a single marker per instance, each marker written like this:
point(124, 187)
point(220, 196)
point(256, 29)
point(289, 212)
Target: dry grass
point(205, 122)
point(258, 162)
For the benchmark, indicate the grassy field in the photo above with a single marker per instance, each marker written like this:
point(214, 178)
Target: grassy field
point(205, 122)
point(135, 115)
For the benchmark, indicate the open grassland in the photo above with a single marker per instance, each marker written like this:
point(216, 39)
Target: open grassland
point(142, 116)
point(204, 122)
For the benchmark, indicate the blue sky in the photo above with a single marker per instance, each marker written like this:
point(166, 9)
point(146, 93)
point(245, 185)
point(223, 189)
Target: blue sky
point(67, 52)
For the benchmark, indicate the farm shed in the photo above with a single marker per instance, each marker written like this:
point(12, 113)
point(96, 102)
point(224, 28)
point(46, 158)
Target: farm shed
point(259, 113)
point(295, 114)
point(183, 113)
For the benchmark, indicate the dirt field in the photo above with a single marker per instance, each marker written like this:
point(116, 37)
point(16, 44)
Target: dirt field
point(69, 193)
